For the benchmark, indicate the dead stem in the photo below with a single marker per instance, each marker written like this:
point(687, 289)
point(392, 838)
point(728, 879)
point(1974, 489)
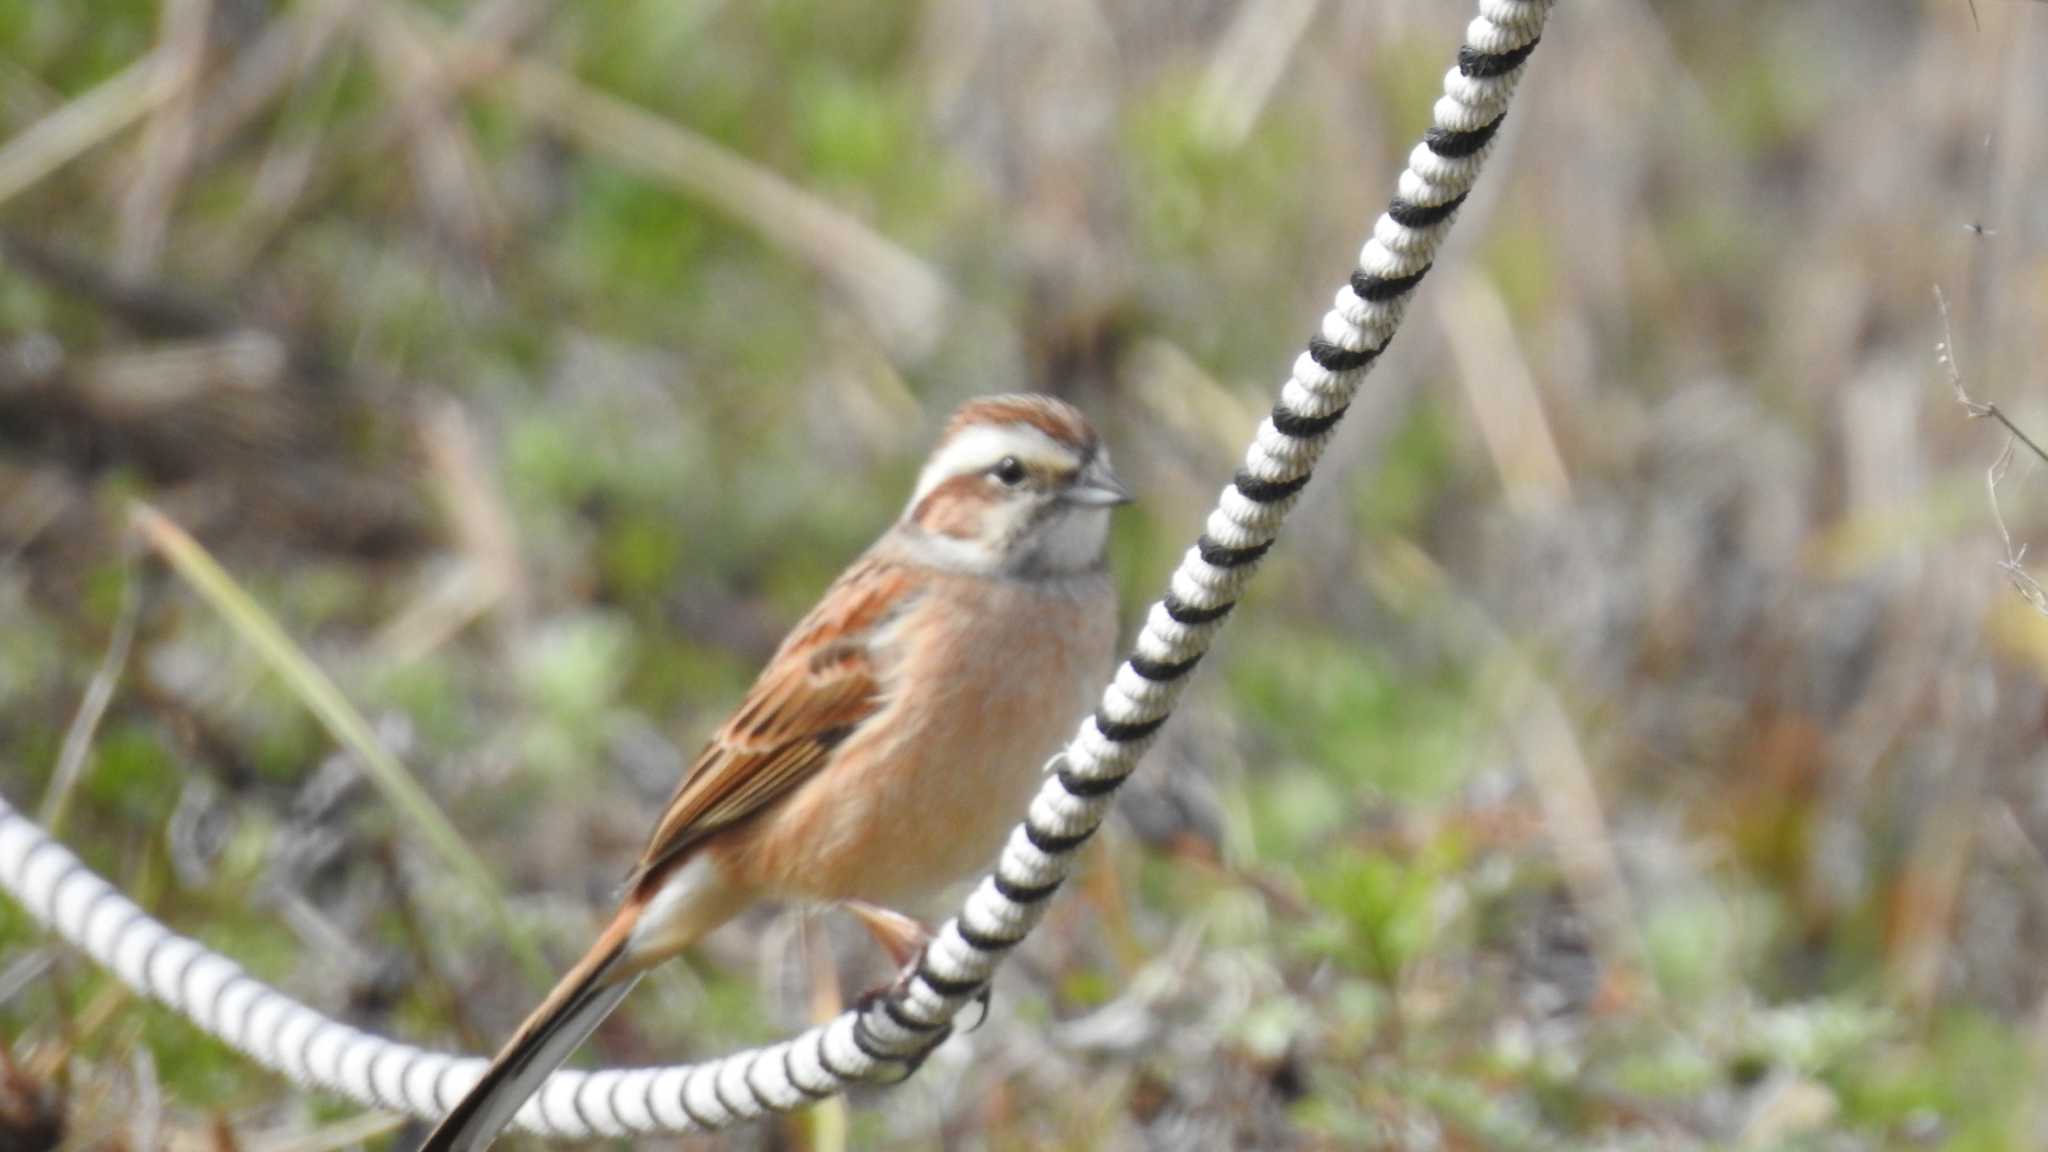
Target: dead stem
point(2014, 564)
point(99, 692)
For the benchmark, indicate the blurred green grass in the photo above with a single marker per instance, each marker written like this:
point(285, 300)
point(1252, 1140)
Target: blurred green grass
point(685, 432)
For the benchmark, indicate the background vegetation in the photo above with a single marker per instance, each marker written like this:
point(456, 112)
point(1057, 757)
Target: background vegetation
point(1635, 743)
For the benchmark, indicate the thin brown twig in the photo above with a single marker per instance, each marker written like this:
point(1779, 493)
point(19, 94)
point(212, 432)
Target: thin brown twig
point(1983, 410)
point(447, 166)
point(298, 58)
point(488, 576)
point(2014, 564)
point(291, 46)
point(1945, 352)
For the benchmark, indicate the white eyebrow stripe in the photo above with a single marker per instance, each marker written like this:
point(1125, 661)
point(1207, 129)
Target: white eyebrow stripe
point(979, 448)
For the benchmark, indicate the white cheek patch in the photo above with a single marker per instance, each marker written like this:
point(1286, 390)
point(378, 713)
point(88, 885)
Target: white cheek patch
point(953, 555)
point(980, 448)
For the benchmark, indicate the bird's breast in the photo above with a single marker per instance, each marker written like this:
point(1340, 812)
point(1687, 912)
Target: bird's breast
point(986, 680)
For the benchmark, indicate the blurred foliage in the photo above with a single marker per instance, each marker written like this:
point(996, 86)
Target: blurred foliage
point(536, 450)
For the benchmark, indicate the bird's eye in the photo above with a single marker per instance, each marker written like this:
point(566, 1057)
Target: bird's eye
point(1009, 472)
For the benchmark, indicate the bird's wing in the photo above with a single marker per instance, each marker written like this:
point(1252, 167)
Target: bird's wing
point(821, 685)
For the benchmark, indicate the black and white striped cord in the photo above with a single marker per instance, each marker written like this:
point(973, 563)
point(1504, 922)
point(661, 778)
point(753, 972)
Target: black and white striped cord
point(884, 1040)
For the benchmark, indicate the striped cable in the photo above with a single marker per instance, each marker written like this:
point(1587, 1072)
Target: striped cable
point(886, 1039)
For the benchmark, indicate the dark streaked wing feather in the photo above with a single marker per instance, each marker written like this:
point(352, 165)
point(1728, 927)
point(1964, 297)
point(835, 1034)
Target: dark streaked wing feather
point(819, 687)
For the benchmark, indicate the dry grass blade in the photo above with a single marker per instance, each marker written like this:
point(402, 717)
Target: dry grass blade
point(166, 151)
point(448, 168)
point(1537, 726)
point(73, 130)
point(828, 1122)
point(488, 575)
point(901, 295)
point(77, 750)
point(349, 1133)
point(291, 47)
point(1506, 402)
point(1248, 67)
point(146, 1118)
point(24, 972)
point(324, 699)
point(310, 178)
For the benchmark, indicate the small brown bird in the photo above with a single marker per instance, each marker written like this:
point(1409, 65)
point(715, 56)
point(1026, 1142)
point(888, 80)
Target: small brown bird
point(891, 741)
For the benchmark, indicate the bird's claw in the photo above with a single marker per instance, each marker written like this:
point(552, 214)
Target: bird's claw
point(875, 998)
point(982, 1000)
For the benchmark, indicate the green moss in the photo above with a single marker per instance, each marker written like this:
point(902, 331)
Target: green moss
point(104, 592)
point(134, 777)
point(430, 694)
point(574, 669)
point(677, 674)
point(17, 928)
point(1382, 912)
point(196, 1070)
point(1520, 257)
point(547, 457)
point(1352, 714)
point(641, 555)
point(282, 739)
point(630, 241)
point(24, 307)
point(1975, 1073)
point(1407, 77)
point(1414, 468)
point(73, 50)
point(614, 462)
point(731, 1010)
point(1294, 809)
point(1225, 218)
point(1764, 104)
point(870, 39)
point(855, 134)
point(1089, 988)
point(1473, 1111)
point(1704, 943)
point(253, 937)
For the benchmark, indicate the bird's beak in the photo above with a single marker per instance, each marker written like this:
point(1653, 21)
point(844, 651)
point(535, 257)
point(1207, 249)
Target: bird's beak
point(1098, 487)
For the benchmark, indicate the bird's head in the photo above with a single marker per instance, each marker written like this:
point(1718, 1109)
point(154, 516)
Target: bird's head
point(1018, 485)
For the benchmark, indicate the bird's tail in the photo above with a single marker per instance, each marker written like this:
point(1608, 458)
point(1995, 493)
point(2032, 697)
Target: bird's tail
point(578, 1004)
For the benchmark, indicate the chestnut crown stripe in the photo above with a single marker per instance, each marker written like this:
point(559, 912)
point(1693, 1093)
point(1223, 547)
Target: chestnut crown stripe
point(885, 1040)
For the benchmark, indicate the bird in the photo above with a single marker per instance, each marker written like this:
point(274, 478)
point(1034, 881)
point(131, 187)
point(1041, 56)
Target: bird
point(887, 746)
